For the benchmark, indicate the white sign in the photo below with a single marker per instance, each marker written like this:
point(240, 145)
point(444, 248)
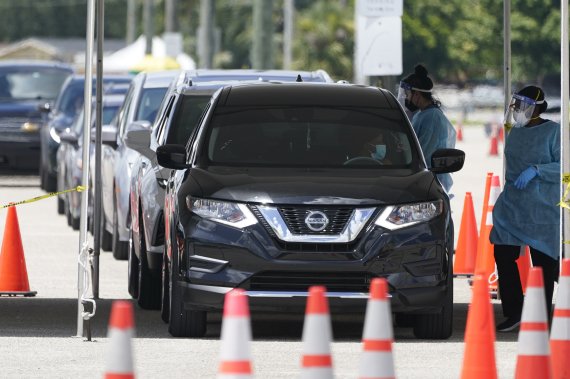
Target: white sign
point(378, 46)
point(379, 8)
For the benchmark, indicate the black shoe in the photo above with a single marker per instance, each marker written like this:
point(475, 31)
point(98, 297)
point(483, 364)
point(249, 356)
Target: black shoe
point(509, 324)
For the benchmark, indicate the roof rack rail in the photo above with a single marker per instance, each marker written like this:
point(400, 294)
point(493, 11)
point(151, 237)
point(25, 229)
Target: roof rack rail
point(184, 79)
point(299, 79)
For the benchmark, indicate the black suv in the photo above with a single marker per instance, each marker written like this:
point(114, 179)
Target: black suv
point(288, 185)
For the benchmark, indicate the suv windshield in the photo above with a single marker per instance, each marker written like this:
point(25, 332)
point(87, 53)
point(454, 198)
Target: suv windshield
point(309, 137)
point(149, 103)
point(27, 83)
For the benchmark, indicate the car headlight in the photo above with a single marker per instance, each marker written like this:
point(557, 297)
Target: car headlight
point(233, 214)
point(401, 216)
point(30, 127)
point(54, 136)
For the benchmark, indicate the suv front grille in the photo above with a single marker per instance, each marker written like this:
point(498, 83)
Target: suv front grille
point(301, 281)
point(295, 219)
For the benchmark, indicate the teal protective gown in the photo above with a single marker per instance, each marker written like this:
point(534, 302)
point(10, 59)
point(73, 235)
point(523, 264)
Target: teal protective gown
point(434, 132)
point(531, 216)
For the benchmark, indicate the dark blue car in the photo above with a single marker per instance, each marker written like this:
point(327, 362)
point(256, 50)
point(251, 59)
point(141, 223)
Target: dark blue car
point(68, 104)
point(26, 86)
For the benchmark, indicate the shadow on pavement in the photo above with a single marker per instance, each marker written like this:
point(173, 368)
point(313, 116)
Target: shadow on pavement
point(37, 317)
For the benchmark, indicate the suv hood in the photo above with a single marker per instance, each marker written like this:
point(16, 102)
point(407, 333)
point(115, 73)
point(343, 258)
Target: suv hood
point(19, 108)
point(311, 186)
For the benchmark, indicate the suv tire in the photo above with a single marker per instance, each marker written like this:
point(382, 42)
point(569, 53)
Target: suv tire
point(120, 249)
point(438, 326)
point(133, 268)
point(149, 282)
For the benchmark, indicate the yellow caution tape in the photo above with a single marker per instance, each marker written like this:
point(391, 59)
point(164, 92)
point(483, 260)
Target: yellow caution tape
point(565, 201)
point(51, 194)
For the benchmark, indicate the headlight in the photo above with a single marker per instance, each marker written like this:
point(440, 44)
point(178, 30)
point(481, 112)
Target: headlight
point(401, 216)
point(30, 127)
point(233, 214)
point(54, 136)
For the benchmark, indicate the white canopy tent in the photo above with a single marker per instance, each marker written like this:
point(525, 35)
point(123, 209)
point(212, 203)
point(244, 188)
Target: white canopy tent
point(125, 59)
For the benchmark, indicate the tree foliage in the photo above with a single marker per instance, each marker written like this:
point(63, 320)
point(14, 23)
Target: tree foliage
point(458, 40)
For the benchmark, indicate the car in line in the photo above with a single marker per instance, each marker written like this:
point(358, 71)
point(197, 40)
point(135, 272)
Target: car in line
point(139, 110)
point(280, 189)
point(68, 104)
point(26, 86)
point(179, 115)
point(70, 162)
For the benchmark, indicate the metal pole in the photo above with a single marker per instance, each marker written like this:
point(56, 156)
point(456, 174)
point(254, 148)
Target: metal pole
point(288, 20)
point(98, 114)
point(131, 21)
point(262, 49)
point(206, 34)
point(148, 25)
point(565, 134)
point(507, 51)
point(90, 26)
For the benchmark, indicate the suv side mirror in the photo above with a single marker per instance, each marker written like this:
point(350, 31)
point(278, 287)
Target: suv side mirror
point(138, 138)
point(172, 156)
point(447, 160)
point(108, 135)
point(44, 108)
point(70, 138)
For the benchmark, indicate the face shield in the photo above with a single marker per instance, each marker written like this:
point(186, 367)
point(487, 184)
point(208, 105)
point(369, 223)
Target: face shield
point(522, 108)
point(404, 91)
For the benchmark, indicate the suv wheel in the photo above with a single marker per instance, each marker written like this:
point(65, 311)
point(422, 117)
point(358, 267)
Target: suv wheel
point(437, 326)
point(165, 293)
point(182, 322)
point(120, 249)
point(106, 237)
point(149, 282)
point(133, 269)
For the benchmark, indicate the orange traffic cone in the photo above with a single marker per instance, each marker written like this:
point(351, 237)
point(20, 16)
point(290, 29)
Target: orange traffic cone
point(479, 359)
point(524, 263)
point(494, 150)
point(317, 336)
point(533, 359)
point(460, 132)
point(560, 331)
point(485, 262)
point(121, 330)
point(466, 250)
point(235, 354)
point(13, 273)
point(377, 360)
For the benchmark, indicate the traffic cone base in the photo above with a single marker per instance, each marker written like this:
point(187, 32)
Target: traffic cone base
point(533, 360)
point(235, 351)
point(377, 360)
point(13, 273)
point(316, 362)
point(119, 363)
point(479, 358)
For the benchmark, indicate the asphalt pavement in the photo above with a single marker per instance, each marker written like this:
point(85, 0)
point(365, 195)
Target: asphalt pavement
point(38, 334)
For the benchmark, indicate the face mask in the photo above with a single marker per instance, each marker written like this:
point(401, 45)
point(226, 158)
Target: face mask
point(379, 153)
point(411, 106)
point(520, 118)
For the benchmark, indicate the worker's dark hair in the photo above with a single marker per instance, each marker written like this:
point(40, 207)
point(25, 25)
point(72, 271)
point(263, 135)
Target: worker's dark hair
point(537, 94)
point(420, 79)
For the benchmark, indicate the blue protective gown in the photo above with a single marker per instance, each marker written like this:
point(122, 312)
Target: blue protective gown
point(531, 216)
point(434, 132)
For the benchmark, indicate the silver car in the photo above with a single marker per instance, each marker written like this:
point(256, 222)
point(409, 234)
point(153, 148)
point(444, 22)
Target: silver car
point(139, 110)
point(180, 113)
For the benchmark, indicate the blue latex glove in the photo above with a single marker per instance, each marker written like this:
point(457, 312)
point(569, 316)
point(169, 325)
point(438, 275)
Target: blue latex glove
point(525, 177)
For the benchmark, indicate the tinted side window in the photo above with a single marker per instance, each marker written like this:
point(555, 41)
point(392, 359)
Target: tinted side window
point(188, 116)
point(149, 101)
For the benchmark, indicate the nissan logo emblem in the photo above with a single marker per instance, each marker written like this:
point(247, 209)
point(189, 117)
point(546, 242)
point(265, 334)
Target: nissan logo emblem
point(317, 221)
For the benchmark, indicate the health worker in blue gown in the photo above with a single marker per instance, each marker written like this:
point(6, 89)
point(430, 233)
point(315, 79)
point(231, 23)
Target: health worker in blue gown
point(527, 211)
point(433, 129)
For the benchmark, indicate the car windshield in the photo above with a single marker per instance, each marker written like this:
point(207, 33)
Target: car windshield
point(108, 113)
point(310, 137)
point(27, 83)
